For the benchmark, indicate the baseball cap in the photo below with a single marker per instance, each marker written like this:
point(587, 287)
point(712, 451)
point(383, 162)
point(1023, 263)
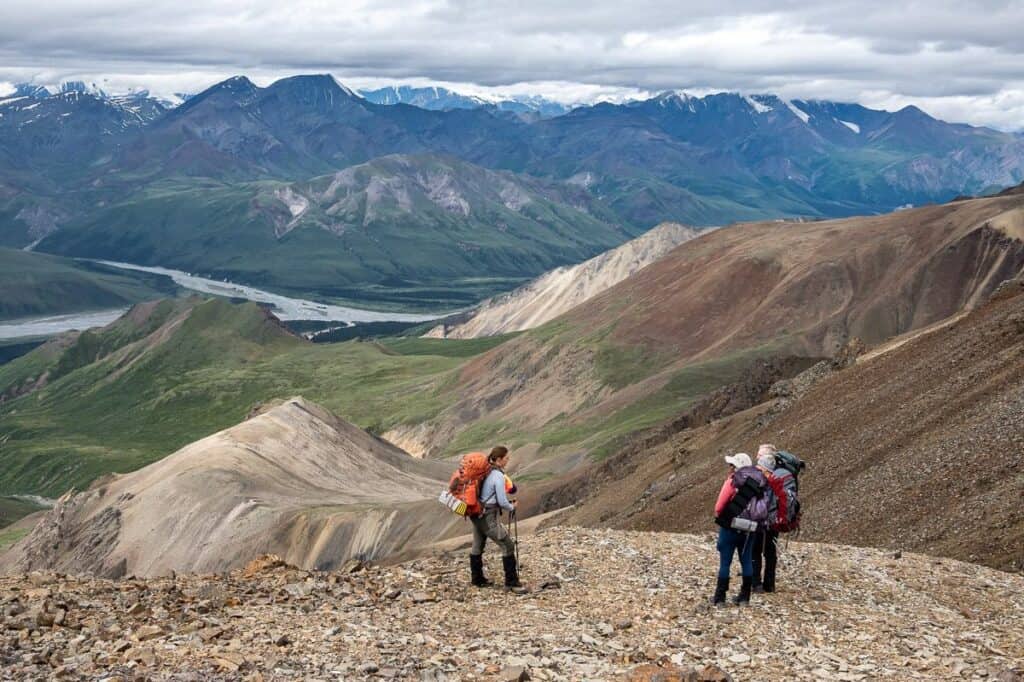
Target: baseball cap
point(739, 460)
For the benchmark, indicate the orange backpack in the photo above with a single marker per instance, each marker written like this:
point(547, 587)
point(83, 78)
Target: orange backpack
point(465, 483)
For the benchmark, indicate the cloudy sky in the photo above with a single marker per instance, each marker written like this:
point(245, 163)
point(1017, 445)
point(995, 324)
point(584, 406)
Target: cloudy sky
point(961, 61)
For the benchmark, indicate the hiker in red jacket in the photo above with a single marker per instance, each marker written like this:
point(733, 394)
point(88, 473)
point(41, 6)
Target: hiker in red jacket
point(741, 509)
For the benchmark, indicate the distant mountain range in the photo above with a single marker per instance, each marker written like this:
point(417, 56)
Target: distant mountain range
point(139, 102)
point(434, 231)
point(443, 99)
point(141, 171)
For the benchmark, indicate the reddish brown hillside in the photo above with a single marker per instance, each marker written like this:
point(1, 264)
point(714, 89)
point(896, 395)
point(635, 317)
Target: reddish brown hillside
point(819, 283)
point(918, 448)
point(692, 320)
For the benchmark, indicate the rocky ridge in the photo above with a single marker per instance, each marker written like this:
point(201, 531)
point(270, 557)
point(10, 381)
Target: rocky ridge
point(562, 289)
point(603, 604)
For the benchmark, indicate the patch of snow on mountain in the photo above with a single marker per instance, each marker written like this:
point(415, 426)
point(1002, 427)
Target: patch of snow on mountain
point(852, 126)
point(344, 88)
point(757, 106)
point(583, 179)
point(688, 99)
point(297, 205)
point(802, 115)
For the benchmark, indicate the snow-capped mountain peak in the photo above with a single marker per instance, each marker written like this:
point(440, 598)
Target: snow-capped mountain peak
point(440, 98)
point(799, 113)
point(757, 104)
point(83, 88)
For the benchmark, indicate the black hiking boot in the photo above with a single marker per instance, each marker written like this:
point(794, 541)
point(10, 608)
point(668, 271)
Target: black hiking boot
point(476, 568)
point(769, 579)
point(743, 598)
point(511, 573)
point(758, 588)
point(721, 589)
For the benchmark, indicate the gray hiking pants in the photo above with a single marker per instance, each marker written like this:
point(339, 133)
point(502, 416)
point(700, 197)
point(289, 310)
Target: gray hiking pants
point(489, 525)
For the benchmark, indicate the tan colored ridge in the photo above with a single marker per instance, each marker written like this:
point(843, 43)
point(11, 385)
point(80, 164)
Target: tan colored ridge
point(294, 480)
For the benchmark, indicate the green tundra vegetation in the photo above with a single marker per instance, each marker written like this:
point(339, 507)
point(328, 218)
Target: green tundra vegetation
point(119, 398)
point(169, 373)
point(37, 284)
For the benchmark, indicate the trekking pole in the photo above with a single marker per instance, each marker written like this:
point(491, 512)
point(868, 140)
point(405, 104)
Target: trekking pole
point(514, 521)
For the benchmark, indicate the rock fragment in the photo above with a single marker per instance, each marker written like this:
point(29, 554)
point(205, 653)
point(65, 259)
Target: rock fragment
point(514, 673)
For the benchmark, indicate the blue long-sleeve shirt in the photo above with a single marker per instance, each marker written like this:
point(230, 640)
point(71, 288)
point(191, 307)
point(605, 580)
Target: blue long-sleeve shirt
point(492, 492)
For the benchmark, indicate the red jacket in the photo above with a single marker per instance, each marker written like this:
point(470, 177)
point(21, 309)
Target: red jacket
point(779, 494)
point(724, 495)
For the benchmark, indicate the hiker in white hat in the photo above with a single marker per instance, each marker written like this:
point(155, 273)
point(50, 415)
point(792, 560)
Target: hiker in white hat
point(741, 507)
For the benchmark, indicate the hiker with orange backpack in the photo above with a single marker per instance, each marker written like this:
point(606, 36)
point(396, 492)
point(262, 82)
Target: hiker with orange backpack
point(478, 490)
point(493, 500)
point(740, 510)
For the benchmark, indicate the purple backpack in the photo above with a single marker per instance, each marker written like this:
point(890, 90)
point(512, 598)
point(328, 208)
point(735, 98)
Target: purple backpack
point(757, 507)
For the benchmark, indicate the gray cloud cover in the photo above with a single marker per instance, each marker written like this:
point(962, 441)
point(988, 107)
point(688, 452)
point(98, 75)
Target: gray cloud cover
point(961, 61)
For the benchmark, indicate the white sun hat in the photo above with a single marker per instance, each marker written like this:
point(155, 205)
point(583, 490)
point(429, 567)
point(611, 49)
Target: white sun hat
point(739, 460)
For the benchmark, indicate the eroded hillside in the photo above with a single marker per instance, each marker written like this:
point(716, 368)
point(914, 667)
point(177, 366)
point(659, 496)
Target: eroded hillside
point(294, 480)
point(410, 230)
point(920, 448)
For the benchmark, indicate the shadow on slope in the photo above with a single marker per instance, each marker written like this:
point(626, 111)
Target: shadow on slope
point(34, 284)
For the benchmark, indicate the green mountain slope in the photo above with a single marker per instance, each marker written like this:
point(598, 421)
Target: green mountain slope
point(174, 372)
point(416, 230)
point(33, 284)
